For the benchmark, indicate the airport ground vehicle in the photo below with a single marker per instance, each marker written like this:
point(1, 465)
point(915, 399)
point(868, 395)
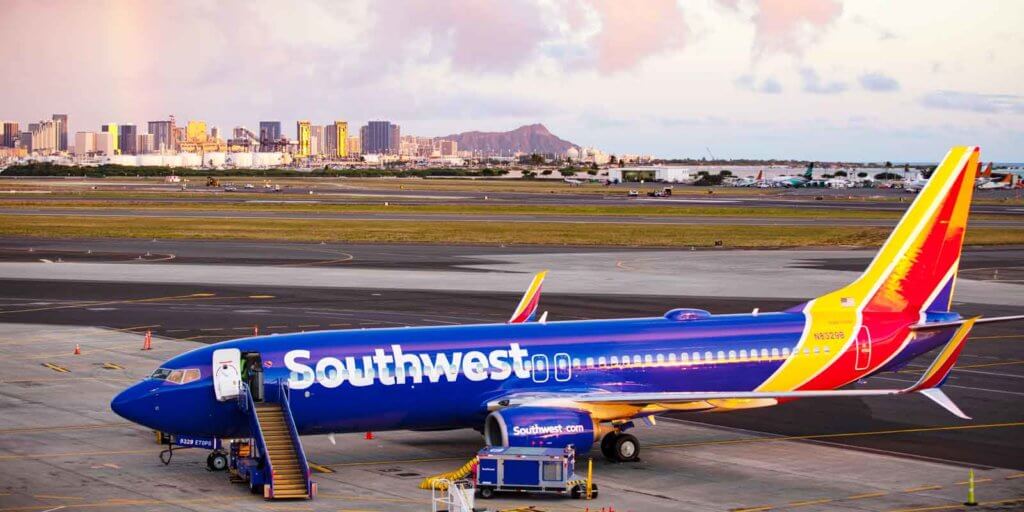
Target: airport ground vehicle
point(526, 469)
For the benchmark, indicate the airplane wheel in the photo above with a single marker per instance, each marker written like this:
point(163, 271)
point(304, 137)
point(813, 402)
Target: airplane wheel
point(217, 461)
point(626, 448)
point(606, 445)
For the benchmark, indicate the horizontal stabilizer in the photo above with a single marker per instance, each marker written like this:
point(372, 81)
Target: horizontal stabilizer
point(939, 397)
point(956, 323)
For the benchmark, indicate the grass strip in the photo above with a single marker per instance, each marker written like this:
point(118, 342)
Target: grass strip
point(553, 233)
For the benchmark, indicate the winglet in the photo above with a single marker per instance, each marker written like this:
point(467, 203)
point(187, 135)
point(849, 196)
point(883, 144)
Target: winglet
point(527, 307)
point(936, 374)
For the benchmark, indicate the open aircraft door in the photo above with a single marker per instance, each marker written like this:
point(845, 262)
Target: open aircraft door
point(227, 377)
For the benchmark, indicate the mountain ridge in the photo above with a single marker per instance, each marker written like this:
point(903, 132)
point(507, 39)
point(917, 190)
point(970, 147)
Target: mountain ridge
point(530, 138)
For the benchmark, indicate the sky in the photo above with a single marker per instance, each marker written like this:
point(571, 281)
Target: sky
point(861, 80)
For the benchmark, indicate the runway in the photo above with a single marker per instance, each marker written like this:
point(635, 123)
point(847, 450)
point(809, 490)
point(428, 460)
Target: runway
point(214, 291)
point(500, 218)
point(489, 192)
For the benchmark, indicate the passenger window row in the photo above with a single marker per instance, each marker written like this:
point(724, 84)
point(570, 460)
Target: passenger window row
point(691, 358)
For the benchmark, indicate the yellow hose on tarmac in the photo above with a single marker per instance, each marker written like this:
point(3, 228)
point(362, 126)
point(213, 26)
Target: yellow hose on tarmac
point(435, 482)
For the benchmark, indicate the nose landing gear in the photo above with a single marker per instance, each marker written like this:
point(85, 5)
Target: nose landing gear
point(620, 447)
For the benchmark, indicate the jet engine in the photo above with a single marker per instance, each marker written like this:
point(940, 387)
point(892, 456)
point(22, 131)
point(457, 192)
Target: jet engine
point(552, 427)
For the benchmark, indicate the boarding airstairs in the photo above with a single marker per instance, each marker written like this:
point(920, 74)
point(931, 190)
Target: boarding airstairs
point(283, 469)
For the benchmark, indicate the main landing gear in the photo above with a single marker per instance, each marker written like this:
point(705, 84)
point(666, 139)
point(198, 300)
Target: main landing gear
point(217, 460)
point(620, 447)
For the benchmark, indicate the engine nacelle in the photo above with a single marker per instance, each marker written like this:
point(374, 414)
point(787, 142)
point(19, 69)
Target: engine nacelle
point(551, 427)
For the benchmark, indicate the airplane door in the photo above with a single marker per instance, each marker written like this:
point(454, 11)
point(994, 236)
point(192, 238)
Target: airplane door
point(863, 349)
point(227, 377)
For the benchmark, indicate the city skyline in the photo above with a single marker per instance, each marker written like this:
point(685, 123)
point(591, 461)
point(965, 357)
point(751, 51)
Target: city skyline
point(813, 79)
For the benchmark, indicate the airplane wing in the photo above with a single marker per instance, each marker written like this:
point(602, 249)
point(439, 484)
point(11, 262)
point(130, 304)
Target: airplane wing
point(527, 307)
point(928, 385)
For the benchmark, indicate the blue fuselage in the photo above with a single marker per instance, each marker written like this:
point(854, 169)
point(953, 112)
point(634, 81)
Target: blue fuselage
point(444, 377)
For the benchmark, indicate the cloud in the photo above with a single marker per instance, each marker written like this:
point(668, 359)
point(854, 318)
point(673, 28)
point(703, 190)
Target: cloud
point(878, 82)
point(787, 26)
point(974, 102)
point(475, 36)
point(631, 32)
point(768, 86)
point(814, 85)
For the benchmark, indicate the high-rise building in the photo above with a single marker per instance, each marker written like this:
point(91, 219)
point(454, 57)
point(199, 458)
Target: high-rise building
point(161, 132)
point(270, 133)
point(339, 131)
point(25, 141)
point(106, 143)
point(114, 148)
point(214, 132)
point(195, 131)
point(62, 131)
point(44, 137)
point(316, 140)
point(145, 143)
point(380, 137)
point(85, 143)
point(447, 147)
point(128, 139)
point(11, 134)
point(303, 135)
point(354, 146)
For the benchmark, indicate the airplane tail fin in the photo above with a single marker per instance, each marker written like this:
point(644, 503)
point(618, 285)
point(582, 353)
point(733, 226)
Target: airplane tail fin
point(527, 307)
point(809, 173)
point(916, 268)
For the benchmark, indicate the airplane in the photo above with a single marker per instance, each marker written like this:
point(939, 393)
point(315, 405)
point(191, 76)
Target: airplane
point(984, 176)
point(915, 184)
point(1006, 182)
point(589, 382)
point(573, 181)
point(749, 181)
point(793, 181)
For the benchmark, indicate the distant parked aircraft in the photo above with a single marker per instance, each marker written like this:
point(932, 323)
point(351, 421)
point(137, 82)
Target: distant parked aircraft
point(1006, 182)
point(748, 181)
point(793, 181)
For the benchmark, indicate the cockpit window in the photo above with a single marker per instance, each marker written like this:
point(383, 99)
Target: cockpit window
point(190, 375)
point(160, 374)
point(176, 376)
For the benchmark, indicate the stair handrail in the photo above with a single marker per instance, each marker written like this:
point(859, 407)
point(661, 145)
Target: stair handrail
point(283, 390)
point(257, 435)
point(459, 487)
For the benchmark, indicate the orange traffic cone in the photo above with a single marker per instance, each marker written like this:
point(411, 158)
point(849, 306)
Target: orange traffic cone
point(148, 343)
point(369, 436)
point(78, 350)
